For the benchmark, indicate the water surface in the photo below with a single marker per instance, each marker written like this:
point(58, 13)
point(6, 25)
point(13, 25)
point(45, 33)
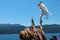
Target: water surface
point(16, 36)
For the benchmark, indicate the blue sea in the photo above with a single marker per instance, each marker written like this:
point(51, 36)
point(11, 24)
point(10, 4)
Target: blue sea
point(16, 36)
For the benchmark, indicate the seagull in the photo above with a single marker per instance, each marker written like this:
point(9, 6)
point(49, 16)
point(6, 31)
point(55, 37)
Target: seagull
point(44, 9)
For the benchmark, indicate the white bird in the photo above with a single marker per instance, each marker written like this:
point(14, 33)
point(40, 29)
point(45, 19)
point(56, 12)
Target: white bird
point(43, 9)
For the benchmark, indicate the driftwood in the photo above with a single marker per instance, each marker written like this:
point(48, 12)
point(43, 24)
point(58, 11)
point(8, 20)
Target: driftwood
point(34, 33)
point(29, 35)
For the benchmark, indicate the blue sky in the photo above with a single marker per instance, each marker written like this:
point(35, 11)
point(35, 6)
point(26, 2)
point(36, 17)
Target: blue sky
point(21, 11)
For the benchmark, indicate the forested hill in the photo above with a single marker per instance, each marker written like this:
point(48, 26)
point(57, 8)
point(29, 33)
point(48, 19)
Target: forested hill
point(16, 28)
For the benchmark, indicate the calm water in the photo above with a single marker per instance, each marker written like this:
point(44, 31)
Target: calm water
point(16, 36)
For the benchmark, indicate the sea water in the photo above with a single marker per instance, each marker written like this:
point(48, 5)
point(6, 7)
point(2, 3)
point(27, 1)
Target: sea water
point(16, 36)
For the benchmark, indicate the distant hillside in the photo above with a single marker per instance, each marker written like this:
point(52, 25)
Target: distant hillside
point(10, 28)
point(54, 28)
point(16, 28)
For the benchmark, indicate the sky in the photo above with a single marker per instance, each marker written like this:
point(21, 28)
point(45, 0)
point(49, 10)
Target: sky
point(22, 11)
